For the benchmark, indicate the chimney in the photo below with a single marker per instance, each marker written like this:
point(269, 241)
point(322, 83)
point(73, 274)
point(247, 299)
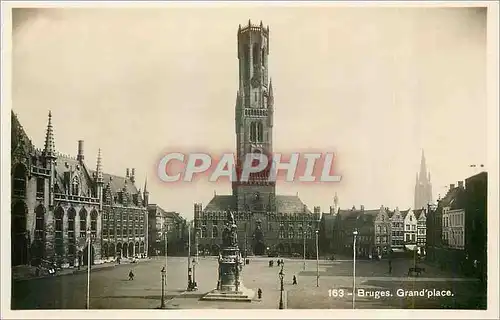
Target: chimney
point(362, 207)
point(331, 210)
point(460, 184)
point(132, 176)
point(452, 186)
point(127, 173)
point(80, 156)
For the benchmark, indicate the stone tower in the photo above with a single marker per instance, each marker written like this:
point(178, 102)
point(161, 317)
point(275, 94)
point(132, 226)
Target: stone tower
point(423, 186)
point(254, 115)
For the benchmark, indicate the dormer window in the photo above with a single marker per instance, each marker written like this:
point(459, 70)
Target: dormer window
point(75, 186)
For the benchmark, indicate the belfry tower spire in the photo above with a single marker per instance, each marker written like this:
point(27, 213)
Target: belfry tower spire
point(254, 111)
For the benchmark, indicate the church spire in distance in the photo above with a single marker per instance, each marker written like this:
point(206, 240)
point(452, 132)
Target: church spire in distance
point(423, 168)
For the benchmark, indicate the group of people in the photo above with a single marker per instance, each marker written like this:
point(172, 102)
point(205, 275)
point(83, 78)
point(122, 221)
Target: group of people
point(280, 262)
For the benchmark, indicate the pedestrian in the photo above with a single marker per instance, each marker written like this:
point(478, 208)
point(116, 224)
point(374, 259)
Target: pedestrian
point(259, 293)
point(282, 263)
point(390, 265)
point(294, 280)
point(131, 275)
point(278, 262)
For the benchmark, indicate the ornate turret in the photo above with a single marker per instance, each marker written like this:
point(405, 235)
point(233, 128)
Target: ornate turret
point(146, 193)
point(50, 157)
point(50, 149)
point(99, 179)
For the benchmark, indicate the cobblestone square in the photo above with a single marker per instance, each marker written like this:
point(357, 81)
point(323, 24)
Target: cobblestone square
point(111, 289)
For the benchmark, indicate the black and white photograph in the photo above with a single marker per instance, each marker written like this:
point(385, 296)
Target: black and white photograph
point(281, 156)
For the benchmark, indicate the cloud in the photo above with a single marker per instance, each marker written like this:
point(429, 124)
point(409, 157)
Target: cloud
point(375, 84)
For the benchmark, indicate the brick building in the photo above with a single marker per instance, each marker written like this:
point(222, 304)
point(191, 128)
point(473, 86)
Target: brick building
point(476, 224)
point(397, 229)
point(437, 244)
point(57, 198)
point(266, 221)
point(374, 231)
point(161, 221)
point(421, 216)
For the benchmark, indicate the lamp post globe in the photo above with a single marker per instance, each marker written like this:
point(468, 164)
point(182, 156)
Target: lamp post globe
point(281, 276)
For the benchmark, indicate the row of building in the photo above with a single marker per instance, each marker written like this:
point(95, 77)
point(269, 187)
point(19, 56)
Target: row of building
point(457, 227)
point(59, 202)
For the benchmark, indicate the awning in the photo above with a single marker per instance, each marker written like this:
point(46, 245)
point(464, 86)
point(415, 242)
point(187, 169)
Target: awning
point(397, 250)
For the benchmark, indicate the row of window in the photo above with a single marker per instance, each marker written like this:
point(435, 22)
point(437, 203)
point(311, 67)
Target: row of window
point(118, 232)
point(58, 219)
point(381, 240)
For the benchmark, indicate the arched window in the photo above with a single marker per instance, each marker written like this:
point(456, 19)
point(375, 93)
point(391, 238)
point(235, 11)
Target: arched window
point(255, 54)
point(309, 233)
point(260, 132)
point(301, 232)
point(291, 233)
point(71, 234)
point(93, 222)
point(75, 184)
point(18, 234)
point(215, 232)
point(246, 62)
point(59, 245)
point(83, 222)
point(282, 234)
point(253, 131)
point(39, 223)
point(203, 232)
point(19, 181)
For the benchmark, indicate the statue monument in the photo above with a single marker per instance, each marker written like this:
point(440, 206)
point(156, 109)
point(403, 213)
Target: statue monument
point(229, 284)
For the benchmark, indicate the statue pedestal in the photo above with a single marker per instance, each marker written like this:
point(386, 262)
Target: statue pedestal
point(243, 294)
point(229, 286)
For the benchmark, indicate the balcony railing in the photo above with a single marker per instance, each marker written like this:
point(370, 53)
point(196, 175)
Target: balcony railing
point(72, 198)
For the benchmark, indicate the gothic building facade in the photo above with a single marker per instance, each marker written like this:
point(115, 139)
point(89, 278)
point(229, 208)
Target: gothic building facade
point(58, 203)
point(267, 222)
point(423, 186)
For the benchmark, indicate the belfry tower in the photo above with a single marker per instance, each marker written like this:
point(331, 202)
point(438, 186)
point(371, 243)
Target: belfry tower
point(254, 115)
point(423, 186)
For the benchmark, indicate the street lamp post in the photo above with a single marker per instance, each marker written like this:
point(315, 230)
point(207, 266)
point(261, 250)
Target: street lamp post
point(355, 234)
point(89, 252)
point(189, 256)
point(317, 259)
point(166, 252)
point(281, 275)
point(304, 237)
point(196, 255)
point(163, 282)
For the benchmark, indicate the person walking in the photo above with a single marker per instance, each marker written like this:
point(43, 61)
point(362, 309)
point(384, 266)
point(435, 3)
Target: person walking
point(390, 266)
point(294, 280)
point(131, 275)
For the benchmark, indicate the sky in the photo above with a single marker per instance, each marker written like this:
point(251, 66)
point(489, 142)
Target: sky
point(375, 85)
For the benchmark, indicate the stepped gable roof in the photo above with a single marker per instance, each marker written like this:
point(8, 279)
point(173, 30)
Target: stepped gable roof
point(117, 183)
point(284, 204)
point(63, 164)
point(453, 199)
point(418, 212)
